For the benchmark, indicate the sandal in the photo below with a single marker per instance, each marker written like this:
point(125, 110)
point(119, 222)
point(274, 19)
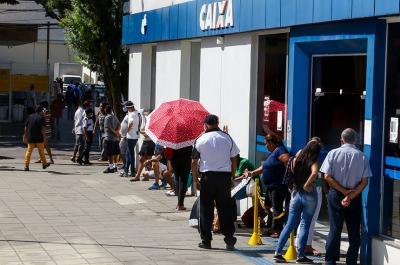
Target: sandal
point(134, 179)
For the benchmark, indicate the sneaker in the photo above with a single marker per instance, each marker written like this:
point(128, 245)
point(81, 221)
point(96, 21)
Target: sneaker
point(155, 186)
point(205, 245)
point(79, 161)
point(278, 258)
point(123, 174)
point(45, 165)
point(87, 163)
point(163, 184)
point(170, 193)
point(26, 169)
point(108, 170)
point(73, 159)
point(304, 260)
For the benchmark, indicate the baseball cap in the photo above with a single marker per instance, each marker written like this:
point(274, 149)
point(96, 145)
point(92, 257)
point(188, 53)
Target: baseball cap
point(211, 119)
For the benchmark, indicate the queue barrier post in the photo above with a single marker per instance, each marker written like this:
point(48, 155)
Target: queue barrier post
point(291, 253)
point(255, 238)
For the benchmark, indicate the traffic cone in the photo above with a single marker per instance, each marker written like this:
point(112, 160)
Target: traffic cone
point(255, 238)
point(291, 253)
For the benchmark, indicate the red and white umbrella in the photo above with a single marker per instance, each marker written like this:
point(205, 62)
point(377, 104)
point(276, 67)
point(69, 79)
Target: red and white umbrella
point(176, 124)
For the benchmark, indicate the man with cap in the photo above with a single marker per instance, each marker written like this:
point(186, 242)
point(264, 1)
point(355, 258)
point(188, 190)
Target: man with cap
point(214, 155)
point(132, 135)
point(78, 131)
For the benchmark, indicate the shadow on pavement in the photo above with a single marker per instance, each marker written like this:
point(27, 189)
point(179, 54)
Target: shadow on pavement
point(111, 245)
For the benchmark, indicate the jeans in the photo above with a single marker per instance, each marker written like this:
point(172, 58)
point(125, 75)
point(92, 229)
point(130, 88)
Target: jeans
point(301, 211)
point(31, 146)
point(314, 219)
point(127, 161)
point(337, 216)
point(79, 144)
point(131, 151)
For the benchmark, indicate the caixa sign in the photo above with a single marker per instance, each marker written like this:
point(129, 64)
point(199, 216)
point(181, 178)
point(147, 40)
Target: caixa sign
point(217, 15)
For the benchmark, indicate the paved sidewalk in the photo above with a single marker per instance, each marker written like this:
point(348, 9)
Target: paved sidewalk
point(73, 214)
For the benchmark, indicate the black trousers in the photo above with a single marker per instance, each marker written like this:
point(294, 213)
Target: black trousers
point(216, 188)
point(337, 216)
point(181, 170)
point(275, 199)
point(88, 146)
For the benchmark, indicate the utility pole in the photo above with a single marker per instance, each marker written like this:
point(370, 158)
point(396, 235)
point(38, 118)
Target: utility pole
point(48, 61)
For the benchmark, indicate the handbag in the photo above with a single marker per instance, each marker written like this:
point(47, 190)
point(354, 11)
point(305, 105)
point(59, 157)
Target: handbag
point(288, 176)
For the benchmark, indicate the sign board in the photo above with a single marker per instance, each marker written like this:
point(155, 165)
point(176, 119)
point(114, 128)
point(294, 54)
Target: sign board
point(217, 15)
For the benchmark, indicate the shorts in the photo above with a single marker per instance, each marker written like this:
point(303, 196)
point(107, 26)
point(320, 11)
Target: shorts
point(147, 148)
point(111, 148)
point(123, 145)
point(162, 168)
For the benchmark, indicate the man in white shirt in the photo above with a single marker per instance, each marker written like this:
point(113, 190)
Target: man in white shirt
point(78, 131)
point(123, 143)
point(132, 135)
point(215, 153)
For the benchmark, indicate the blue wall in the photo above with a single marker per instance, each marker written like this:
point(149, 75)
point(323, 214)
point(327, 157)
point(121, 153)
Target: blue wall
point(341, 38)
point(182, 21)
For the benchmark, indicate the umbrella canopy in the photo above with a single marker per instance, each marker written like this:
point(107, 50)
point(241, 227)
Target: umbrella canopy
point(176, 124)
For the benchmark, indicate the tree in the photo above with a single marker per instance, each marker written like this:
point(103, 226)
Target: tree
point(94, 31)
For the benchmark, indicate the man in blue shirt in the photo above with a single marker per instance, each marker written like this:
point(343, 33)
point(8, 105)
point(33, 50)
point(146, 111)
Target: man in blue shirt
point(346, 171)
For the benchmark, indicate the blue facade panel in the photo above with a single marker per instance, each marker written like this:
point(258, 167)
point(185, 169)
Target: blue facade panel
point(384, 7)
point(363, 8)
point(165, 27)
point(273, 13)
point(288, 13)
point(246, 11)
point(341, 9)
point(191, 29)
point(304, 11)
point(173, 22)
point(322, 10)
point(183, 20)
point(258, 14)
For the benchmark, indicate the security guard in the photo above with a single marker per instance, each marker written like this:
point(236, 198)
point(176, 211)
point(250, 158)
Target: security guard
point(214, 154)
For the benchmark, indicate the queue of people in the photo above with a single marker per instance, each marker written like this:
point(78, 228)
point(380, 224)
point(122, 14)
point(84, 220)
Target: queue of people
point(293, 184)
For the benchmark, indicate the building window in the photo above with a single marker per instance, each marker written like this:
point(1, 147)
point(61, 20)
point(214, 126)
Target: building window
point(391, 182)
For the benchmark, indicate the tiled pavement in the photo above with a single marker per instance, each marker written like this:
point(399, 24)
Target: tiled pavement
point(71, 214)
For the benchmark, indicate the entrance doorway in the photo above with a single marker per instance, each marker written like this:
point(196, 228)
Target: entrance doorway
point(338, 97)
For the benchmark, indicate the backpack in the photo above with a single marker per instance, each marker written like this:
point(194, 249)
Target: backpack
point(288, 177)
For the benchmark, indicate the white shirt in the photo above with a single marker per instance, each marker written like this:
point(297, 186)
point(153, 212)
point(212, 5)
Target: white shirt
point(133, 117)
point(124, 126)
point(78, 120)
point(216, 149)
point(88, 124)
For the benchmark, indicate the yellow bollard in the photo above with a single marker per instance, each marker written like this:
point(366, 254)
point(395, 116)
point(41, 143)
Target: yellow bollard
point(255, 238)
point(291, 253)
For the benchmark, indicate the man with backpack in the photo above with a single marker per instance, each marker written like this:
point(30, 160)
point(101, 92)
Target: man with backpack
point(132, 135)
